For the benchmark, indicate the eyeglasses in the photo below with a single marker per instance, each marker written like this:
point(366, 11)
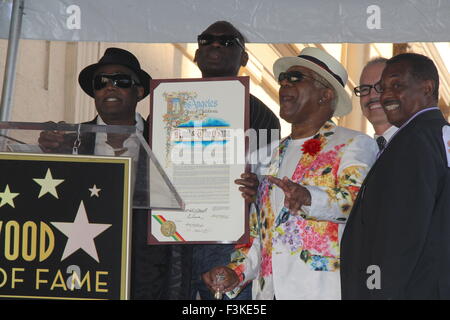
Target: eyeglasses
point(364, 90)
point(119, 80)
point(296, 76)
point(224, 40)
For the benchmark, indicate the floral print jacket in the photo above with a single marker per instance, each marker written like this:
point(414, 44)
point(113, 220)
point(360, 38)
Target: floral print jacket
point(332, 167)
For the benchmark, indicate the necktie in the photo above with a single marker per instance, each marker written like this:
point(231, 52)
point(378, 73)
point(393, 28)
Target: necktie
point(381, 141)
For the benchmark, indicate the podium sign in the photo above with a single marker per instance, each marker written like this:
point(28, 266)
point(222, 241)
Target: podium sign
point(151, 188)
point(64, 226)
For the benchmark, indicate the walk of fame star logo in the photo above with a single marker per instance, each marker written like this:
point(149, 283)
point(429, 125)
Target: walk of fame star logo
point(94, 191)
point(7, 197)
point(62, 211)
point(80, 234)
point(48, 184)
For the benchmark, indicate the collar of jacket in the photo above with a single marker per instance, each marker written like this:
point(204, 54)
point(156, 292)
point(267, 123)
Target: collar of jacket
point(324, 134)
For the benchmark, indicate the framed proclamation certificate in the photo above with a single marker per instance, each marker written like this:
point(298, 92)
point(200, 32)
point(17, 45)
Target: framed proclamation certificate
point(198, 134)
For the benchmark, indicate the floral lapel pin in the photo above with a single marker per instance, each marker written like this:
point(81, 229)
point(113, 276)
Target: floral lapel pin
point(312, 146)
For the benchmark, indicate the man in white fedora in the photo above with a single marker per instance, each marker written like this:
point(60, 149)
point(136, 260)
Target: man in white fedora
point(302, 203)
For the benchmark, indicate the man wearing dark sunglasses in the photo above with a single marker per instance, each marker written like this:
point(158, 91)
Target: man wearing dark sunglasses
point(221, 53)
point(117, 83)
point(370, 101)
point(303, 201)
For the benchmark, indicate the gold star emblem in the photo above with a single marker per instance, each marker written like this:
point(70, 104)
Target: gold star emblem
point(7, 197)
point(48, 184)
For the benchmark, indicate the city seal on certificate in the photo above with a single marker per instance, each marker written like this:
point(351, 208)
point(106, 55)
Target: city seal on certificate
point(168, 228)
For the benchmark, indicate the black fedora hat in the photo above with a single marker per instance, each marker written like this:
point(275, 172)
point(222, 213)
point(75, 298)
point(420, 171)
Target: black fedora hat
point(114, 56)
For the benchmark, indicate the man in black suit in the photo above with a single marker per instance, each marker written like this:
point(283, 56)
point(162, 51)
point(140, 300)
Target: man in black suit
point(396, 244)
point(221, 53)
point(117, 83)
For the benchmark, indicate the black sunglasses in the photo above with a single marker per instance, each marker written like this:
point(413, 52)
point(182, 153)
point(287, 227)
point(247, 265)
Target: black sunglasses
point(364, 90)
point(296, 76)
point(224, 40)
point(119, 80)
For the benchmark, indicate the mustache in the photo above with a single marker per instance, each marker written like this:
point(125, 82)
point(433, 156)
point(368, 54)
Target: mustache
point(372, 101)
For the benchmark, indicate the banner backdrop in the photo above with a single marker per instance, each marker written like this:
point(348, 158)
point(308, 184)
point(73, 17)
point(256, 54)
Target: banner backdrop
point(261, 21)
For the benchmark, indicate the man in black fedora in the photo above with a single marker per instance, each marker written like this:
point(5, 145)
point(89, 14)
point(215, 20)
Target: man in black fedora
point(117, 83)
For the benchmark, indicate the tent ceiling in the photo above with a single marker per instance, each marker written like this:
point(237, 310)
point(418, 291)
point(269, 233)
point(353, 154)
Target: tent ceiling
point(261, 21)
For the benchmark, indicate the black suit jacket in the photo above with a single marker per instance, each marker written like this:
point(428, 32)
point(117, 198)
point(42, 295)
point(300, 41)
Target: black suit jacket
point(262, 118)
point(149, 272)
point(400, 221)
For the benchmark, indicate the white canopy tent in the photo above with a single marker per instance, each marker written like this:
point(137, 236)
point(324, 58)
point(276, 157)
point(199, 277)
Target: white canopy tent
point(262, 21)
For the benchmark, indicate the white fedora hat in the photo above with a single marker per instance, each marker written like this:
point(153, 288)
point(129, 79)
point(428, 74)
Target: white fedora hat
point(326, 66)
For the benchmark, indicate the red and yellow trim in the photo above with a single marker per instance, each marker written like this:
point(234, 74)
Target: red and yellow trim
point(161, 220)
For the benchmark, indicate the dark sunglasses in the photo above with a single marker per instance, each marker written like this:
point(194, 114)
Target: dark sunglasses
point(224, 40)
point(119, 80)
point(296, 76)
point(364, 90)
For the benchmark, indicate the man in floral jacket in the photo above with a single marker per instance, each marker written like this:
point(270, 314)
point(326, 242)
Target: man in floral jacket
point(303, 199)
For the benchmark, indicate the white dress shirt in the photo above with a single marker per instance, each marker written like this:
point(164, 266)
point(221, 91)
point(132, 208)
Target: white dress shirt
point(387, 134)
point(130, 145)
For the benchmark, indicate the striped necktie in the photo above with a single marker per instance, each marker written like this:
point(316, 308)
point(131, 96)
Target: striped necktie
point(381, 141)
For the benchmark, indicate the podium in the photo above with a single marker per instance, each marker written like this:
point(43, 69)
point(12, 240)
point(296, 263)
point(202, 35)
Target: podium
point(65, 209)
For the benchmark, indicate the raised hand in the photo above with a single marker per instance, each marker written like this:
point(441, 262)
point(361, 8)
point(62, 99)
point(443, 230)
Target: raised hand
point(50, 141)
point(295, 195)
point(249, 186)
